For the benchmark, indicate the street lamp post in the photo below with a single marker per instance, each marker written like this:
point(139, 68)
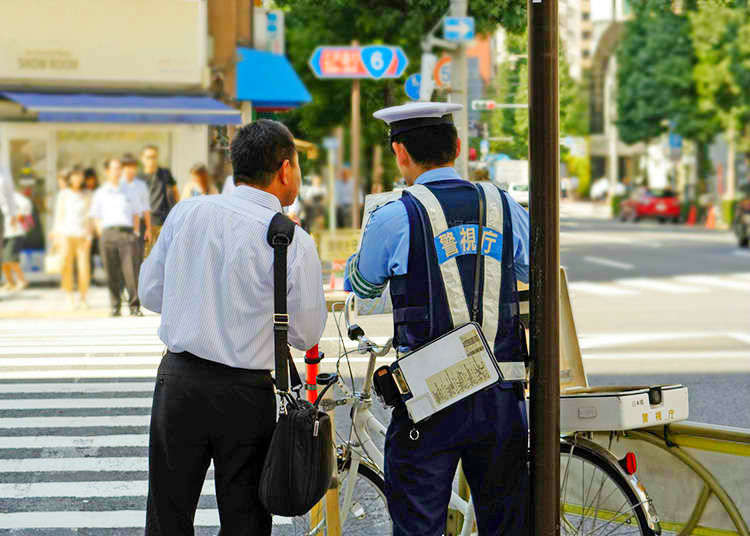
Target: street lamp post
point(544, 207)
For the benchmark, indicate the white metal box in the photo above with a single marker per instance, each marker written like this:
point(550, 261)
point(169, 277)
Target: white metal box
point(593, 409)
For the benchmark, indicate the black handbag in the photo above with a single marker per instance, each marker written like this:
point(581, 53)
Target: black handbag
point(298, 468)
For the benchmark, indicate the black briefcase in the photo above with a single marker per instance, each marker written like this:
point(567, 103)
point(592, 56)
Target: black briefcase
point(299, 465)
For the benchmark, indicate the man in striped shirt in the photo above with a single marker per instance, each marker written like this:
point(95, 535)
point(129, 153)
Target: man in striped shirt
point(210, 275)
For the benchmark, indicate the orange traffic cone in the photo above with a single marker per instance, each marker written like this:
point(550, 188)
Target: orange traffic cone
point(711, 218)
point(692, 215)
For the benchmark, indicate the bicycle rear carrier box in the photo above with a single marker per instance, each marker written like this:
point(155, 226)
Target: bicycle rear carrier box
point(592, 409)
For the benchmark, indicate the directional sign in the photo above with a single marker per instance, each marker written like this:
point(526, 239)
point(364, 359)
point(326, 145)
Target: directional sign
point(411, 87)
point(458, 28)
point(373, 61)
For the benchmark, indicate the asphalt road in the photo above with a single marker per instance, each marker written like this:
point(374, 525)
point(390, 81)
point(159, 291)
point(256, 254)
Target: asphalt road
point(653, 304)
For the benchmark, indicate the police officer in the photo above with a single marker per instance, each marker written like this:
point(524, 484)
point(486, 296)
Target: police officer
point(425, 246)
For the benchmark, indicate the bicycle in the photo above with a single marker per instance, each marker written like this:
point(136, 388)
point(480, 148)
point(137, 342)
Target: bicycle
point(599, 497)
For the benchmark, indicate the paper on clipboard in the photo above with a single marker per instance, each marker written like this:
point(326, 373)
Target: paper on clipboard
point(381, 305)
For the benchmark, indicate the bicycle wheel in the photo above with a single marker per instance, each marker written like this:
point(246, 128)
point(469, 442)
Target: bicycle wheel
point(368, 514)
point(595, 499)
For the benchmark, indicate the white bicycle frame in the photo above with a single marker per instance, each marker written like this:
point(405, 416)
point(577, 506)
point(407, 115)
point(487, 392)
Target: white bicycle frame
point(365, 425)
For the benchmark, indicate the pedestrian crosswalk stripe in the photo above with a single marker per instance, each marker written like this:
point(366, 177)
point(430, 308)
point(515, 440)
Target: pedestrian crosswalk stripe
point(82, 361)
point(59, 441)
point(715, 282)
point(82, 354)
point(660, 286)
point(114, 421)
point(68, 403)
point(77, 387)
point(77, 373)
point(111, 488)
point(37, 465)
point(119, 519)
point(600, 289)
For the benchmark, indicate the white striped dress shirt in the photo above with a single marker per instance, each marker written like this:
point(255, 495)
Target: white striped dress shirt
point(210, 275)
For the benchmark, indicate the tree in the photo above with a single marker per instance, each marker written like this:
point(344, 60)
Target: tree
point(311, 23)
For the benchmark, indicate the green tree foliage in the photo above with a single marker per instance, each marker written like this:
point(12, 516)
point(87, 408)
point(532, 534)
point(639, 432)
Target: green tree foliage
point(312, 23)
point(512, 86)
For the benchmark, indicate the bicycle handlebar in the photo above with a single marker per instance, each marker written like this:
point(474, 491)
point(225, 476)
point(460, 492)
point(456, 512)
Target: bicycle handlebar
point(364, 344)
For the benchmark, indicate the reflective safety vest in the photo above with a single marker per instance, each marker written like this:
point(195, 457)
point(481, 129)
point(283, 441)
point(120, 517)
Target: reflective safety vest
point(437, 292)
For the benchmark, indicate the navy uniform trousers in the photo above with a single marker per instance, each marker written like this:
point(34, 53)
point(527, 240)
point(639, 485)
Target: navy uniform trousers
point(488, 433)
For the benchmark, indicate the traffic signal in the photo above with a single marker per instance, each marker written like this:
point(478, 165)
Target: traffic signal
point(481, 105)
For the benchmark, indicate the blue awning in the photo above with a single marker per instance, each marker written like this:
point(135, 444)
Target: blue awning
point(268, 81)
point(87, 108)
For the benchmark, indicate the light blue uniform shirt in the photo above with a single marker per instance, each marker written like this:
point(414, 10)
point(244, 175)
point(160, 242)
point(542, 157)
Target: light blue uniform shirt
point(385, 245)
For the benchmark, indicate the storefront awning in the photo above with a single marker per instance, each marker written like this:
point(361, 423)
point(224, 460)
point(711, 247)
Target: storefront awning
point(87, 108)
point(268, 81)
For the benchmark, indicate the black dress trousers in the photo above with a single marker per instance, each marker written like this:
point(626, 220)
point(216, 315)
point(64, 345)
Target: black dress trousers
point(120, 256)
point(206, 411)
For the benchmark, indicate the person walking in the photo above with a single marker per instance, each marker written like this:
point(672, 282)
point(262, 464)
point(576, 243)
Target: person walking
point(162, 188)
point(8, 209)
point(116, 219)
point(73, 231)
point(200, 183)
point(91, 185)
point(210, 275)
point(431, 246)
point(137, 190)
point(15, 231)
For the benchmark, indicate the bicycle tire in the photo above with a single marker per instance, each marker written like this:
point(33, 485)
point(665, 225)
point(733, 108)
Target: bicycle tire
point(364, 519)
point(574, 518)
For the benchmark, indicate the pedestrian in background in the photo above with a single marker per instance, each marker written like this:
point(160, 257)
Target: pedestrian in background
point(116, 219)
point(73, 231)
point(91, 184)
point(15, 231)
point(199, 184)
point(162, 188)
point(210, 275)
point(137, 190)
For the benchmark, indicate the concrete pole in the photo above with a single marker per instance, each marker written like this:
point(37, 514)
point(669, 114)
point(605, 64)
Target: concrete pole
point(544, 207)
point(356, 151)
point(460, 91)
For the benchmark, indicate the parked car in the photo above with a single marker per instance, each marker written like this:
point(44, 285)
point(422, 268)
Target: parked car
point(520, 194)
point(741, 223)
point(663, 205)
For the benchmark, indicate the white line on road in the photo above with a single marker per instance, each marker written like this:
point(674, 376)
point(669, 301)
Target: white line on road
point(741, 355)
point(601, 289)
point(714, 282)
point(77, 387)
point(660, 286)
point(115, 421)
point(117, 519)
point(83, 361)
point(603, 340)
point(70, 403)
point(56, 441)
point(104, 488)
point(742, 337)
point(32, 374)
point(34, 465)
point(610, 263)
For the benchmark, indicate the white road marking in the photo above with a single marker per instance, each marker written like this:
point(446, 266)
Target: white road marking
point(600, 289)
point(11, 361)
point(119, 488)
point(77, 387)
point(714, 282)
point(660, 286)
point(32, 374)
point(69, 403)
point(115, 421)
point(740, 355)
point(604, 340)
point(742, 337)
point(51, 442)
point(34, 465)
point(119, 519)
point(610, 263)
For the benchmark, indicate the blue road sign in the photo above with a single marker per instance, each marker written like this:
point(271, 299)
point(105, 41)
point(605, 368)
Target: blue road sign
point(411, 86)
point(458, 28)
point(373, 61)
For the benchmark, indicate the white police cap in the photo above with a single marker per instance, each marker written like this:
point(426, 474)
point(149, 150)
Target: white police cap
point(416, 115)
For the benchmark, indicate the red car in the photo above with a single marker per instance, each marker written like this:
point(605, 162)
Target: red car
point(663, 205)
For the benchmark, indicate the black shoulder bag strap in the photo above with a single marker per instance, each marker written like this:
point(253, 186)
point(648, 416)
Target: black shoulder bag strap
point(280, 235)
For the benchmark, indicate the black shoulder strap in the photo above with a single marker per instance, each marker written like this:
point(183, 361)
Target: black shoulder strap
point(280, 235)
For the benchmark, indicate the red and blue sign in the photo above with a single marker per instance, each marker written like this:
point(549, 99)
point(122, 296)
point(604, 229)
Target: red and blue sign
point(373, 61)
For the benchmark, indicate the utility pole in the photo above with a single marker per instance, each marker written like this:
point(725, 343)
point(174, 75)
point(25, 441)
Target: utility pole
point(355, 149)
point(544, 160)
point(460, 91)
